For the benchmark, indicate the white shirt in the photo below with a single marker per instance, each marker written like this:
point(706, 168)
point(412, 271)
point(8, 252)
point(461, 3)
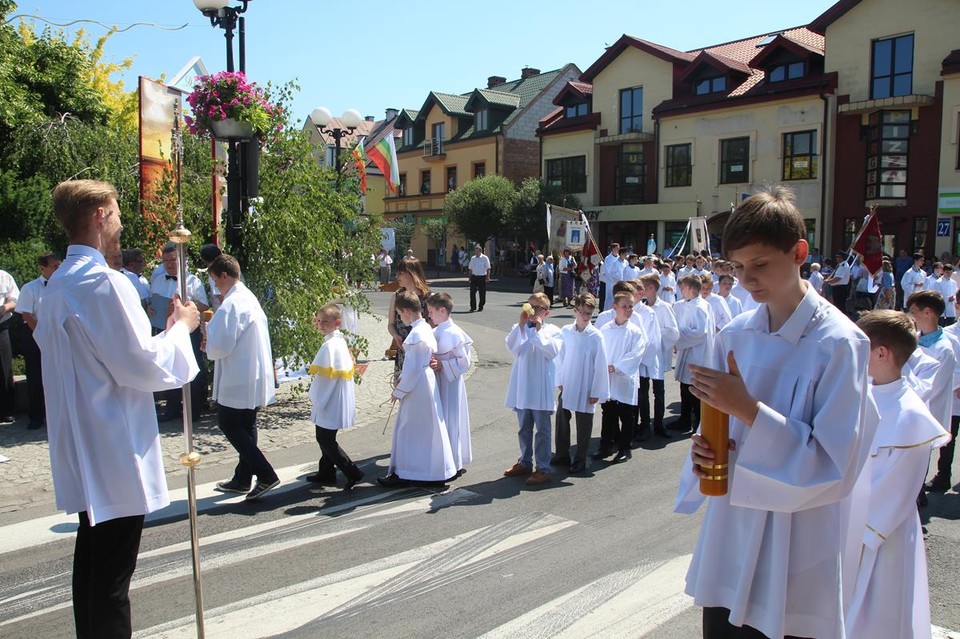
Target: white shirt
point(669, 334)
point(142, 288)
point(842, 274)
point(100, 370)
point(796, 488)
point(610, 270)
point(720, 309)
point(945, 350)
point(332, 393)
point(630, 272)
point(8, 292)
point(30, 296)
point(533, 374)
point(697, 335)
point(239, 341)
point(912, 281)
point(623, 344)
point(582, 368)
point(384, 260)
point(479, 265)
point(166, 287)
point(816, 281)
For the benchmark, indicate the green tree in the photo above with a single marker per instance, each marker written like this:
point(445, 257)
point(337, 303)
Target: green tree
point(527, 221)
point(403, 230)
point(436, 230)
point(481, 207)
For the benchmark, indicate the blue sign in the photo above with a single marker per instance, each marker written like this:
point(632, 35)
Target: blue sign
point(943, 228)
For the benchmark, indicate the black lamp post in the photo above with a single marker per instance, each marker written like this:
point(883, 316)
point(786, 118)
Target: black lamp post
point(350, 120)
point(243, 156)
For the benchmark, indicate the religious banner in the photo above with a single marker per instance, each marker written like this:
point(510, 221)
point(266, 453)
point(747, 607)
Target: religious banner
point(576, 235)
point(558, 218)
point(698, 236)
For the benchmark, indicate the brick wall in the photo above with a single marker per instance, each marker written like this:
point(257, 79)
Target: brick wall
point(520, 159)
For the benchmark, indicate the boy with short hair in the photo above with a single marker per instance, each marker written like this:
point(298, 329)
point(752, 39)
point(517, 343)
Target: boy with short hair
point(724, 290)
point(333, 399)
point(583, 381)
point(668, 283)
point(926, 307)
point(694, 346)
point(891, 596)
point(624, 343)
point(450, 363)
point(778, 554)
point(534, 345)
point(669, 334)
point(948, 289)
point(421, 448)
point(718, 305)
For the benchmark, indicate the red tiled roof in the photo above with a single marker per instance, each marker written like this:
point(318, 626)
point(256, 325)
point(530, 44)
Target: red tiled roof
point(349, 139)
point(578, 90)
point(625, 41)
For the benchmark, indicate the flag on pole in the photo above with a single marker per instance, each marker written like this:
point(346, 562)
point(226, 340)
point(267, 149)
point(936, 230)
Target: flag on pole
point(384, 155)
point(590, 255)
point(869, 244)
point(360, 160)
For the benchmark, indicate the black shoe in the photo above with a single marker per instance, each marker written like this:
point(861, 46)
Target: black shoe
point(353, 481)
point(261, 489)
point(232, 487)
point(660, 431)
point(480, 309)
point(938, 484)
point(322, 478)
point(392, 480)
point(643, 434)
point(622, 456)
point(922, 499)
point(560, 460)
point(679, 425)
point(7, 419)
point(602, 453)
point(578, 466)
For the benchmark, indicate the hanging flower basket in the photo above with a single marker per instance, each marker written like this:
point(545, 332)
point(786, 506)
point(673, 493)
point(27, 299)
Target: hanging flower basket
point(230, 108)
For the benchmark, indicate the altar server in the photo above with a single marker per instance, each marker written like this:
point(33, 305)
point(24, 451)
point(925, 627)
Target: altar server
point(100, 366)
point(694, 347)
point(669, 334)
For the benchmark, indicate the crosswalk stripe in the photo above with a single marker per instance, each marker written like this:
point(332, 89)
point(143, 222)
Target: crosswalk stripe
point(627, 603)
point(346, 592)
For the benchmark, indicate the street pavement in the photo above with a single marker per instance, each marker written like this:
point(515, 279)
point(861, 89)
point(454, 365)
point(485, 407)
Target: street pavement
point(583, 556)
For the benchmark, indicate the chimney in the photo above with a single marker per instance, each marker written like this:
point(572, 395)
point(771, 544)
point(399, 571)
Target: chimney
point(368, 118)
point(528, 72)
point(392, 113)
point(494, 80)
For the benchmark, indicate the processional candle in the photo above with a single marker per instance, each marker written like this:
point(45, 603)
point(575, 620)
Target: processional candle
point(715, 428)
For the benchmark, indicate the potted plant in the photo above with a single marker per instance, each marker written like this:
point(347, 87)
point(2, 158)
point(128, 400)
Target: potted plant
point(229, 107)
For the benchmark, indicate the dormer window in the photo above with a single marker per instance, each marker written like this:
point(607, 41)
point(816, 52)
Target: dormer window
point(711, 85)
point(575, 110)
point(482, 119)
point(789, 71)
point(408, 136)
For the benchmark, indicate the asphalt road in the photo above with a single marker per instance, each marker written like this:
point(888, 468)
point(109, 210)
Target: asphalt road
point(596, 555)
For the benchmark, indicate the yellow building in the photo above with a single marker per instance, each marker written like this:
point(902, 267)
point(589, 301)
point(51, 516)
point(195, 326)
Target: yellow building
point(948, 192)
point(454, 138)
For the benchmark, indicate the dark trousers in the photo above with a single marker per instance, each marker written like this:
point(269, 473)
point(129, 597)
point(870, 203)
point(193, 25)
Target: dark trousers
point(689, 408)
point(716, 625)
point(548, 291)
point(561, 431)
point(478, 283)
point(643, 402)
point(198, 387)
point(31, 359)
point(333, 456)
point(103, 563)
point(239, 426)
point(7, 401)
point(617, 424)
point(840, 293)
point(945, 462)
point(603, 295)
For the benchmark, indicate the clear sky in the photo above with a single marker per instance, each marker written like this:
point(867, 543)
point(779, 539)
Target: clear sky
point(376, 54)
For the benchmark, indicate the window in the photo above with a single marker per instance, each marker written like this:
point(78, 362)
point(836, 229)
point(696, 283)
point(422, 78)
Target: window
point(631, 175)
point(679, 168)
point(408, 137)
point(673, 232)
point(437, 130)
point(734, 160)
point(888, 143)
point(425, 181)
point(451, 178)
point(436, 141)
point(919, 234)
point(568, 174)
point(849, 230)
point(631, 110)
point(575, 110)
point(789, 71)
point(482, 119)
point(800, 155)
point(711, 85)
point(329, 158)
point(402, 185)
point(892, 67)
point(811, 225)
point(479, 169)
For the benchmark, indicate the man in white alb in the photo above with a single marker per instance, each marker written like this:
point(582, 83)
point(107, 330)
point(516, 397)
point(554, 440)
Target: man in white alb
point(479, 276)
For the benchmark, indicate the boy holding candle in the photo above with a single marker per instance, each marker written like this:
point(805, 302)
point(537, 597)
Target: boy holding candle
point(891, 595)
point(778, 555)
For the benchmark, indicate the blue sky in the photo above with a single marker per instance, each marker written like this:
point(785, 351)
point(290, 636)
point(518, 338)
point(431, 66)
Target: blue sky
point(374, 55)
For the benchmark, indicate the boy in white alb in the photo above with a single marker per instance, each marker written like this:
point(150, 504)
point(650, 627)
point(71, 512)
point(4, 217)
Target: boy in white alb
point(694, 346)
point(668, 283)
point(624, 343)
point(650, 361)
point(718, 305)
point(891, 597)
point(583, 381)
point(333, 399)
point(948, 290)
point(534, 346)
point(778, 554)
point(421, 447)
point(669, 334)
point(724, 290)
point(450, 363)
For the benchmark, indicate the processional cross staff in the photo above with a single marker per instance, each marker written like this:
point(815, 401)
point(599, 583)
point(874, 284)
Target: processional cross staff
point(189, 458)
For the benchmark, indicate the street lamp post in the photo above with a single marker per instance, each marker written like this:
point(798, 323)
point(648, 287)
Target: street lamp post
point(350, 120)
point(241, 160)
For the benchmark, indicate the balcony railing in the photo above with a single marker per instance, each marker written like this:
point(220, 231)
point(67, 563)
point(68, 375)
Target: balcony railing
point(433, 147)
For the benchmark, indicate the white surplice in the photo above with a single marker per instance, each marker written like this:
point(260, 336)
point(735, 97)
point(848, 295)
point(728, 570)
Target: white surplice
point(238, 340)
point(453, 353)
point(891, 599)
point(332, 393)
point(100, 369)
point(945, 350)
point(780, 550)
point(651, 365)
point(669, 334)
point(624, 345)
point(533, 374)
point(582, 368)
point(421, 446)
point(720, 309)
point(696, 339)
point(668, 288)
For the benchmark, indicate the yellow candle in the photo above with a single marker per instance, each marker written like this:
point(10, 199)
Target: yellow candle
point(715, 428)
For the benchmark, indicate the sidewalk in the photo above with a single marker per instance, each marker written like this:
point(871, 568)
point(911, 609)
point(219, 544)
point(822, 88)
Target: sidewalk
point(26, 478)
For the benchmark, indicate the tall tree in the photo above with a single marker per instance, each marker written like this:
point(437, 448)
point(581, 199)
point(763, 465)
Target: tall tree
point(481, 207)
